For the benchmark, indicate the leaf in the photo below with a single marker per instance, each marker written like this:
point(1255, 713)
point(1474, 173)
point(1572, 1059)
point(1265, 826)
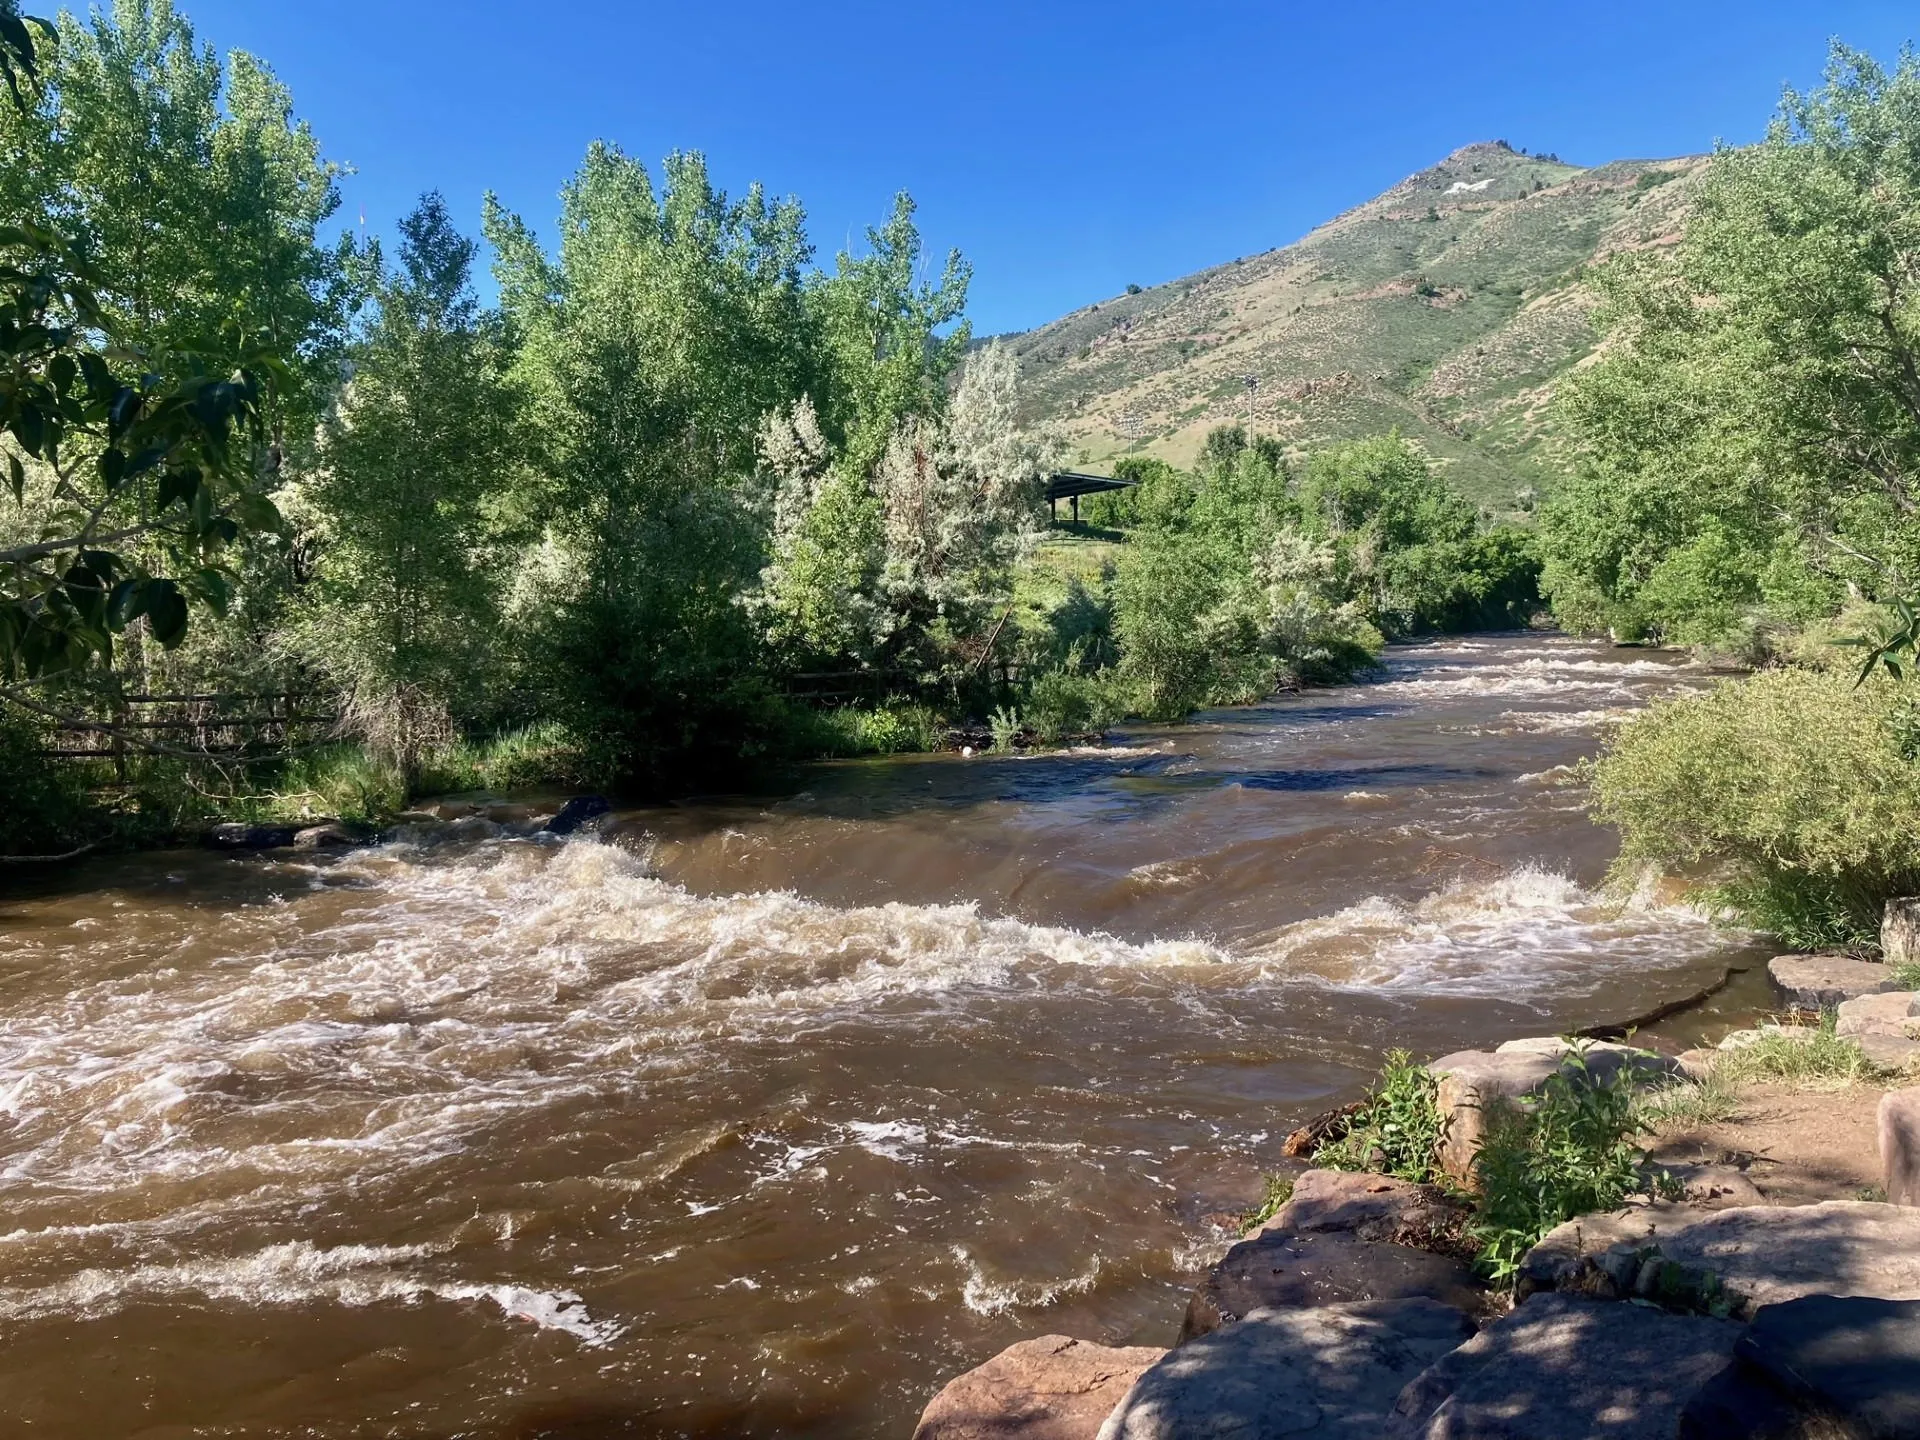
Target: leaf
point(126, 603)
point(62, 371)
point(17, 477)
point(175, 485)
point(213, 588)
point(166, 613)
point(257, 512)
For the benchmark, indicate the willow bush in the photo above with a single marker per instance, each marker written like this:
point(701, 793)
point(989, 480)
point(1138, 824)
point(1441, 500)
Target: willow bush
point(1797, 789)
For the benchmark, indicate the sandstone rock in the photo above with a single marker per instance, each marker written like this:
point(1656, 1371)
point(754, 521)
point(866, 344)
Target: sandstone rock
point(1563, 1367)
point(576, 813)
point(1814, 1368)
point(1329, 1372)
point(1817, 982)
point(1563, 1258)
point(1374, 1207)
point(1900, 932)
point(1052, 1388)
point(1713, 1187)
point(1736, 1259)
point(1884, 1013)
point(1900, 1146)
point(328, 835)
point(1889, 1052)
point(1274, 1270)
point(1695, 1064)
point(1474, 1084)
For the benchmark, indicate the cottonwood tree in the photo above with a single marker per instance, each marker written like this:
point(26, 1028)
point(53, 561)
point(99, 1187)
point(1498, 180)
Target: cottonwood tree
point(412, 464)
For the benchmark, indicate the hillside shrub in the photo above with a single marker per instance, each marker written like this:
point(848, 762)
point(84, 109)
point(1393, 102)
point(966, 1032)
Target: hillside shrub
point(1800, 790)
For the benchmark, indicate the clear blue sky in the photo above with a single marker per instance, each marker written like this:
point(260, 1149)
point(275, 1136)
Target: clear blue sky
point(1067, 149)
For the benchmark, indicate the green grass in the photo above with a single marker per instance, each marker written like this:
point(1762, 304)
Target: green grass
point(1822, 1058)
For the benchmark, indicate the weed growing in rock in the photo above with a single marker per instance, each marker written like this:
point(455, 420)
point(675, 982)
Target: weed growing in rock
point(1569, 1150)
point(1279, 1191)
point(1397, 1130)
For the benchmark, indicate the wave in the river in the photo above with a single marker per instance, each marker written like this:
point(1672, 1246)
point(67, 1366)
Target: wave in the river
point(299, 1273)
point(1527, 935)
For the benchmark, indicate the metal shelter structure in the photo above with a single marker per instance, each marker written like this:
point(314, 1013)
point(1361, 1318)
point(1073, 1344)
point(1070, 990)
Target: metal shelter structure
point(1072, 484)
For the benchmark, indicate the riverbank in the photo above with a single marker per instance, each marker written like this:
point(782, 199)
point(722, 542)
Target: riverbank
point(1758, 1186)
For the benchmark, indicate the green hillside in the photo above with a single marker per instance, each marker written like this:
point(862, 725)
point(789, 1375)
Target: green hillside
point(1446, 307)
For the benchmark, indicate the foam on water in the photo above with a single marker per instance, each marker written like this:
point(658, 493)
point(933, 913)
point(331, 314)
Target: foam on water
point(1531, 935)
point(300, 1273)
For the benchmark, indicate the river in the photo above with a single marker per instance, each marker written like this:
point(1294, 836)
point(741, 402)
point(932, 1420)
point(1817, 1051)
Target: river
point(765, 1116)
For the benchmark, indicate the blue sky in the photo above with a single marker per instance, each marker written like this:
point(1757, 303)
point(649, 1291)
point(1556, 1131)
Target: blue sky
point(1067, 149)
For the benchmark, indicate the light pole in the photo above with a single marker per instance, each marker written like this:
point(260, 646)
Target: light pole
point(1252, 382)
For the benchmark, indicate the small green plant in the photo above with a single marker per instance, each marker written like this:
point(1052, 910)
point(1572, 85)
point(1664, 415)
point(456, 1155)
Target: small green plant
point(1569, 1150)
point(1279, 1191)
point(1906, 975)
point(1397, 1131)
point(1005, 724)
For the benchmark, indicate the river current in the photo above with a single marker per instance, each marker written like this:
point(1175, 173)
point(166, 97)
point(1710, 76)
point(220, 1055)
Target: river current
point(766, 1116)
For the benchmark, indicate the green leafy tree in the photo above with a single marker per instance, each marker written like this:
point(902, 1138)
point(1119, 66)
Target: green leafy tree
point(1749, 444)
point(411, 466)
point(650, 350)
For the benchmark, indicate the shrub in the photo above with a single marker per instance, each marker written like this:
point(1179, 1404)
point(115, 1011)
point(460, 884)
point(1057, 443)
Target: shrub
point(851, 730)
point(1568, 1150)
point(45, 807)
point(1397, 1130)
point(1802, 787)
point(1006, 727)
point(1069, 702)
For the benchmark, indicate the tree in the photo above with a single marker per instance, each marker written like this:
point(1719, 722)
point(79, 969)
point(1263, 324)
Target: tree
point(411, 465)
point(132, 487)
point(650, 350)
point(1749, 444)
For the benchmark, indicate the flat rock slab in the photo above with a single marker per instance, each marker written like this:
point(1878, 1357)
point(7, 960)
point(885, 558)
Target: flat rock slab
point(1821, 1366)
point(1374, 1207)
point(1889, 1012)
point(1821, 982)
point(1564, 1367)
point(1280, 1271)
point(1053, 1388)
point(1330, 1372)
point(1755, 1255)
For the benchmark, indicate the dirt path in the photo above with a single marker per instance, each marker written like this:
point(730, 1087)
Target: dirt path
point(1797, 1146)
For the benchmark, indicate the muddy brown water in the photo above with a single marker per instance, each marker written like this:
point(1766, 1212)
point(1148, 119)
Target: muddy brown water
point(767, 1116)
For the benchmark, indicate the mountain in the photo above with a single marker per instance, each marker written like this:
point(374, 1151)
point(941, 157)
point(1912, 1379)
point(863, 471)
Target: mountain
point(1446, 308)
